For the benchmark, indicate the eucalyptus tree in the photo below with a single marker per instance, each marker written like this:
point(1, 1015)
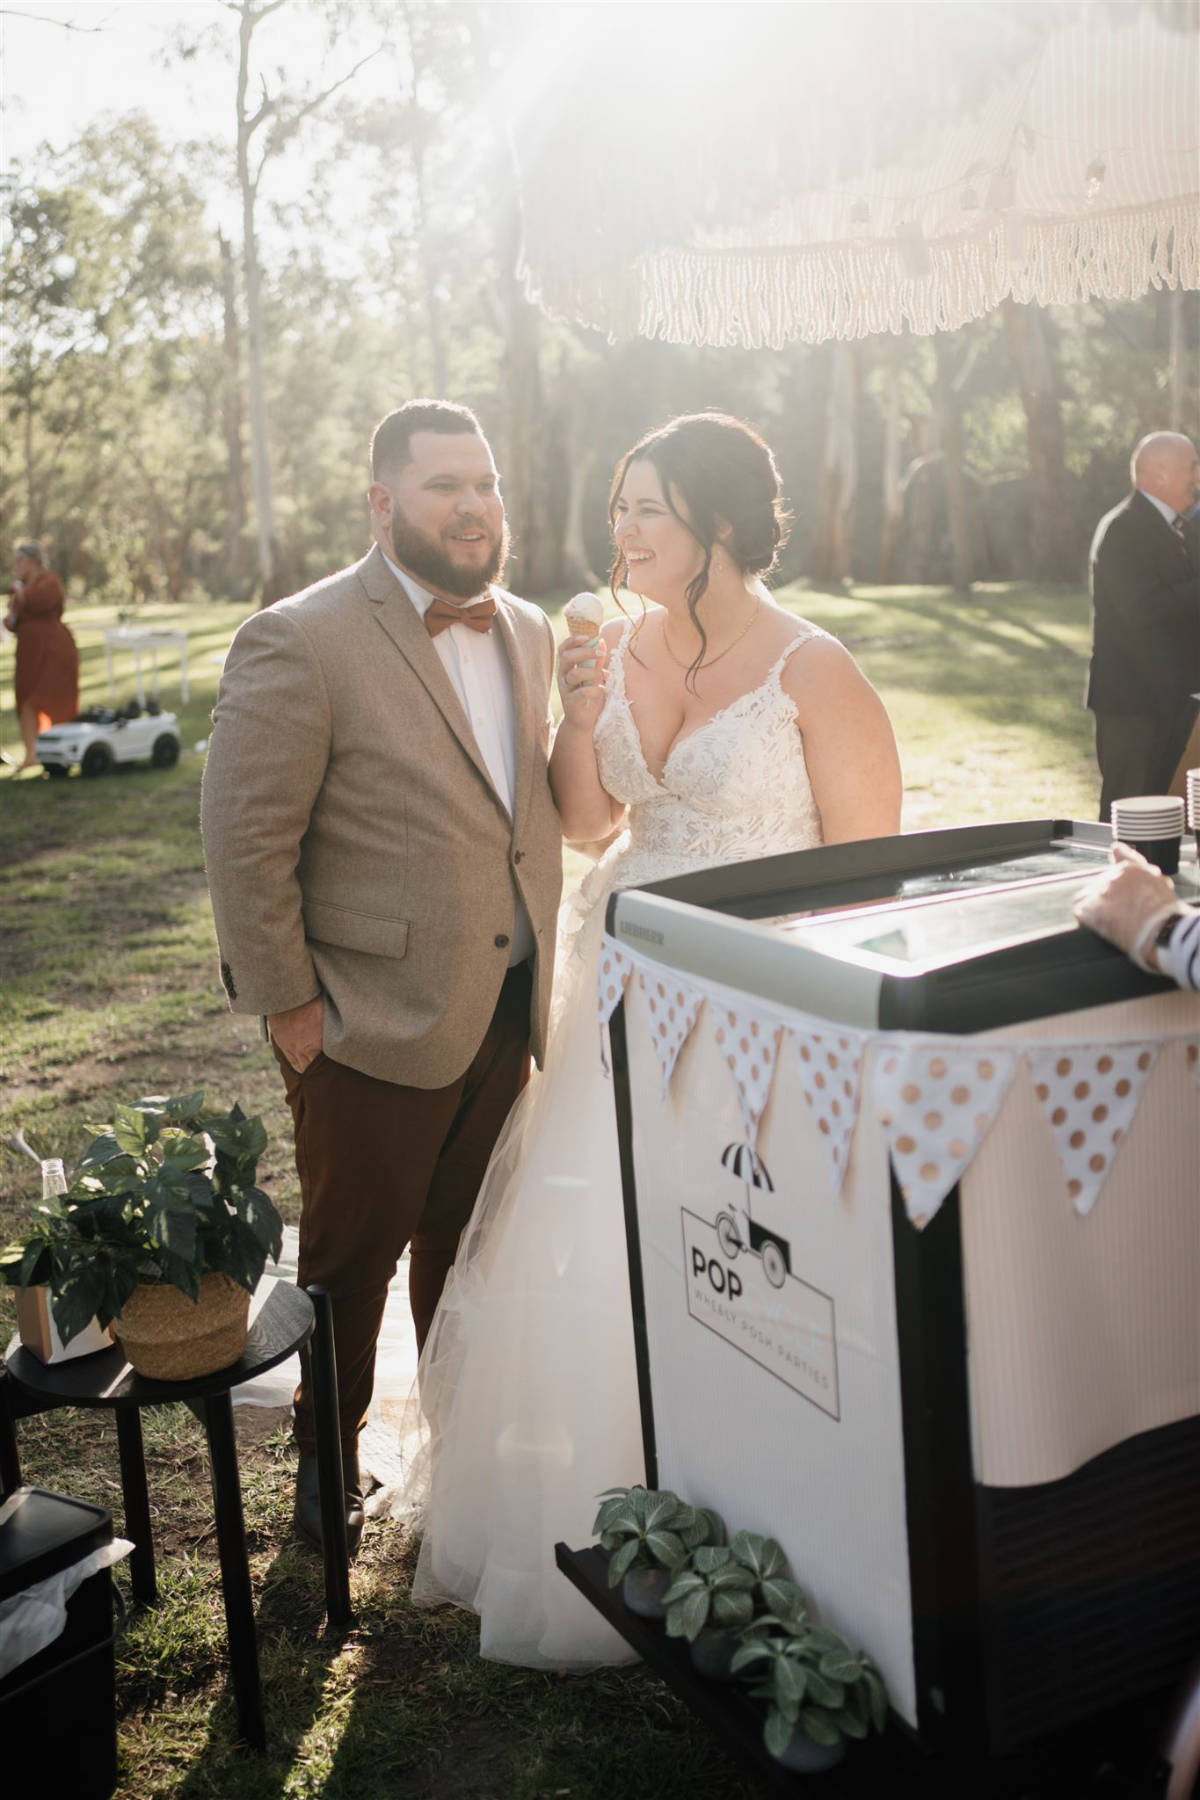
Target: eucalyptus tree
point(105, 268)
point(269, 114)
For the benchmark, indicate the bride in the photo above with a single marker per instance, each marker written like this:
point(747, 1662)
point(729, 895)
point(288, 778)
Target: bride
point(714, 728)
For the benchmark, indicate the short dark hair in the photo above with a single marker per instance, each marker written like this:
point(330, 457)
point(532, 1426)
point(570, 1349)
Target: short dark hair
point(391, 441)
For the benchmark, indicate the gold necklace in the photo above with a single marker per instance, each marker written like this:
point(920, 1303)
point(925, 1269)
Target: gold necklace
point(710, 660)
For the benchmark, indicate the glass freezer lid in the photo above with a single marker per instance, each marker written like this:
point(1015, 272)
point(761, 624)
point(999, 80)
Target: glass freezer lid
point(933, 930)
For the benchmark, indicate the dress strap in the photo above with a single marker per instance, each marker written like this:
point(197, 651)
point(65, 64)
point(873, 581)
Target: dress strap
point(808, 631)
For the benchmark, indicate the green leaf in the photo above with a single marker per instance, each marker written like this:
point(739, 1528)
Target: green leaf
point(815, 1725)
point(707, 1527)
point(749, 1652)
point(660, 1508)
point(77, 1299)
point(666, 1549)
point(35, 1264)
point(622, 1560)
point(129, 1130)
point(625, 1521)
point(761, 1555)
point(708, 1558)
point(611, 1504)
point(264, 1221)
point(101, 1150)
point(855, 1715)
point(777, 1732)
point(685, 1583)
point(733, 1609)
point(851, 1725)
point(733, 1580)
point(179, 1234)
point(877, 1698)
point(841, 1666)
point(688, 1618)
point(789, 1680)
point(784, 1599)
point(825, 1692)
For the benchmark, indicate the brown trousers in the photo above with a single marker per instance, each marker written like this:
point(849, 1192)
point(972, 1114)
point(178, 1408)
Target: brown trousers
point(383, 1166)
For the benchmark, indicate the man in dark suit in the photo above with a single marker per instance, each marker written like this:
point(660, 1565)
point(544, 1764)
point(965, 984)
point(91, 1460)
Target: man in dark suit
point(1145, 580)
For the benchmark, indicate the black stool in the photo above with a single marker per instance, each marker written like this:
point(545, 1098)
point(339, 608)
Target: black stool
point(287, 1320)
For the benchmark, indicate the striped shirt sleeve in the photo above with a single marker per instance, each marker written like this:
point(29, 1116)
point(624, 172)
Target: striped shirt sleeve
point(1183, 950)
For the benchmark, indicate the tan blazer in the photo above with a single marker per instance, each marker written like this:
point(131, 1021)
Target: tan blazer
point(354, 843)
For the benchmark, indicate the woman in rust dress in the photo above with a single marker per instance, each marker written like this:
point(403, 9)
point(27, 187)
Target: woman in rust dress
point(47, 675)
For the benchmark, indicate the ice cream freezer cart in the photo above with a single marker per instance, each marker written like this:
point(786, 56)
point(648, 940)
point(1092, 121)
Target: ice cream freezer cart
point(910, 1164)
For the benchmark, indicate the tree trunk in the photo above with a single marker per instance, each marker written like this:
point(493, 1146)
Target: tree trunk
point(536, 525)
point(231, 425)
point(1178, 359)
point(957, 517)
point(260, 456)
point(839, 476)
point(1031, 345)
point(893, 497)
point(433, 313)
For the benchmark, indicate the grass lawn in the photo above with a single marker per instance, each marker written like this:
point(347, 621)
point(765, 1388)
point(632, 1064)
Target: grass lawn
point(108, 990)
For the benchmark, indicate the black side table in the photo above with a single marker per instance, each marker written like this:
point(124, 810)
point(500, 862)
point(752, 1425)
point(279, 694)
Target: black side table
point(106, 1380)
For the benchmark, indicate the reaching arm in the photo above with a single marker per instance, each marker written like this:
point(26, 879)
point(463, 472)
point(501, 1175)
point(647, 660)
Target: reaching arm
point(1129, 903)
point(588, 812)
point(848, 744)
point(267, 758)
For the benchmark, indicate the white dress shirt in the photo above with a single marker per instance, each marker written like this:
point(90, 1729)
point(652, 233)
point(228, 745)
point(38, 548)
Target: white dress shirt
point(1168, 512)
point(477, 664)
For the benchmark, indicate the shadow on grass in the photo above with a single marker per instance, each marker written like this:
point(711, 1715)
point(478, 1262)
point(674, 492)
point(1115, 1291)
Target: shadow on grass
point(992, 658)
point(405, 1709)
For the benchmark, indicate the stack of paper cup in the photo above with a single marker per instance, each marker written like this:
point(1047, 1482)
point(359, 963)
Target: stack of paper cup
point(1153, 824)
point(1193, 800)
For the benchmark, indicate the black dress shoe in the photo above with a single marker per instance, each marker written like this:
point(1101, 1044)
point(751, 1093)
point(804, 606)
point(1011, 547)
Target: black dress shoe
point(306, 1519)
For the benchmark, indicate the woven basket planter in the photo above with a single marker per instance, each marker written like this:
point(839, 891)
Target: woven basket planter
point(171, 1338)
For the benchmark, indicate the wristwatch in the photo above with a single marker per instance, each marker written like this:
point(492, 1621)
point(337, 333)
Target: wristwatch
point(1164, 934)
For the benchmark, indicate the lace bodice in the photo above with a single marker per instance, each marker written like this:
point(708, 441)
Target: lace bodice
point(734, 788)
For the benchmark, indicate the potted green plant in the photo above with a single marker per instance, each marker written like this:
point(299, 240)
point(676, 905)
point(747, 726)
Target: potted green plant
point(163, 1231)
point(721, 1591)
point(819, 1692)
point(648, 1533)
point(776, 1595)
point(708, 1602)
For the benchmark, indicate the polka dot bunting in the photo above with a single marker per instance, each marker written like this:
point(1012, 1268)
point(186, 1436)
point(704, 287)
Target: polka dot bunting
point(830, 1068)
point(1089, 1094)
point(751, 1048)
point(674, 1008)
point(613, 973)
point(936, 1106)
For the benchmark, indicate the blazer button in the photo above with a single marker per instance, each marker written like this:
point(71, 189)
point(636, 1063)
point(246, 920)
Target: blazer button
point(501, 941)
point(517, 855)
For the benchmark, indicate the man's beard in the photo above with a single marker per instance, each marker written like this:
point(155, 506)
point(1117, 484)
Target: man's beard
point(423, 557)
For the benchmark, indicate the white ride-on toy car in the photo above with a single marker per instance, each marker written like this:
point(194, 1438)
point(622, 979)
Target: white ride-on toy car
point(100, 738)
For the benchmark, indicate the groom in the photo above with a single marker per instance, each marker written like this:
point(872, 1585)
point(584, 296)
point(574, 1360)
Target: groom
point(384, 860)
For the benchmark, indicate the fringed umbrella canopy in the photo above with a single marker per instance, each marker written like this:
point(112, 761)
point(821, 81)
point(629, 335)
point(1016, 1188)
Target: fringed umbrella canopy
point(749, 174)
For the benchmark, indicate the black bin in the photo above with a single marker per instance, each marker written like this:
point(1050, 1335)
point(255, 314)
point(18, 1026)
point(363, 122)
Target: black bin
point(58, 1709)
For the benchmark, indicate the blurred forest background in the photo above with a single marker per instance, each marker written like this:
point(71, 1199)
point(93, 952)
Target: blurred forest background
point(197, 349)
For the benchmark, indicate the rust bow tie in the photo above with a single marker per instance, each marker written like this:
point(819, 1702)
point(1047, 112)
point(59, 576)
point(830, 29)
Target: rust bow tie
point(440, 613)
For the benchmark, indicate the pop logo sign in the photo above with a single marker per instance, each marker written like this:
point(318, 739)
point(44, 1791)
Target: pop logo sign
point(739, 1282)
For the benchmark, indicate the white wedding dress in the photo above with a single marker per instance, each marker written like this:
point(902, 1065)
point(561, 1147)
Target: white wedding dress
point(527, 1380)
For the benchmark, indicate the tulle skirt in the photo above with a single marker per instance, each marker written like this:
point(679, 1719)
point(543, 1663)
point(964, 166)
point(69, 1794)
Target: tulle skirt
point(527, 1381)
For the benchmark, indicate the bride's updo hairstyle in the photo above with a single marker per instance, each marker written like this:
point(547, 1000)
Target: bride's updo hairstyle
point(725, 474)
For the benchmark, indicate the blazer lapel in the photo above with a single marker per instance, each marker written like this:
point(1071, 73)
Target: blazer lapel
point(527, 725)
point(403, 624)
